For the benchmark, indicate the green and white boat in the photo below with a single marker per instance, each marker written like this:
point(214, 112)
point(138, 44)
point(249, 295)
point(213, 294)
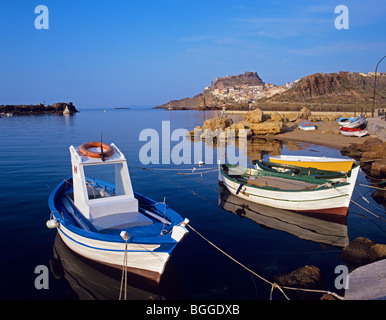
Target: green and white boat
point(297, 170)
point(301, 192)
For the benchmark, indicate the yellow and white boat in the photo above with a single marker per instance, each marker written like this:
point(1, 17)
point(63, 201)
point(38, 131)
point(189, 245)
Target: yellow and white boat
point(322, 163)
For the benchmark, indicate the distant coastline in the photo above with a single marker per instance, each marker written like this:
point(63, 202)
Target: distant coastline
point(56, 108)
point(335, 92)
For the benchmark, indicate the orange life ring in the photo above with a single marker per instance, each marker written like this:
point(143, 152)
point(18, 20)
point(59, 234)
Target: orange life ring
point(107, 150)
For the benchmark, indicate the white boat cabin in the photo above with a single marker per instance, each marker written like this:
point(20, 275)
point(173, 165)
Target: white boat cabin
point(105, 207)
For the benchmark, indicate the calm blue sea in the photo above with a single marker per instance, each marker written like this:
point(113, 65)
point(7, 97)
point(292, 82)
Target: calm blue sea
point(35, 158)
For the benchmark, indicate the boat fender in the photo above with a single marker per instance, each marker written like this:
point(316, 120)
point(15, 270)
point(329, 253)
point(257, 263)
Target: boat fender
point(238, 190)
point(185, 222)
point(124, 235)
point(52, 224)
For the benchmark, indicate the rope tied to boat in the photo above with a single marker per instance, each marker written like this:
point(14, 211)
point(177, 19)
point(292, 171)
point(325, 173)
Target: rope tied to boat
point(125, 236)
point(273, 285)
point(363, 208)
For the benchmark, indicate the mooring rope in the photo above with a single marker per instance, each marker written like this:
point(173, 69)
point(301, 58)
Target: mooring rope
point(124, 267)
point(179, 185)
point(345, 195)
point(377, 188)
point(274, 285)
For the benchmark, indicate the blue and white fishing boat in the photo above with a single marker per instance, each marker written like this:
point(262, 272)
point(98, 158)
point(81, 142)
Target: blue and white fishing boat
point(109, 222)
point(353, 122)
point(306, 125)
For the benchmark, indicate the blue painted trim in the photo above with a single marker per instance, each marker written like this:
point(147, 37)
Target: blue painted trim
point(112, 250)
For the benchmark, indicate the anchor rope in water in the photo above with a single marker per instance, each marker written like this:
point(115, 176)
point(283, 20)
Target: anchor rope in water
point(177, 184)
point(363, 208)
point(377, 188)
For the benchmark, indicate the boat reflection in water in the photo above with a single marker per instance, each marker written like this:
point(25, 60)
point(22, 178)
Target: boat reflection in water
point(94, 281)
point(331, 231)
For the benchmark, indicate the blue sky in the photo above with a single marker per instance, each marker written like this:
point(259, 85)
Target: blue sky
point(118, 53)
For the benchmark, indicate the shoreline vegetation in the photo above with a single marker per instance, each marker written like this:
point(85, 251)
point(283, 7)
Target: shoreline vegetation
point(56, 108)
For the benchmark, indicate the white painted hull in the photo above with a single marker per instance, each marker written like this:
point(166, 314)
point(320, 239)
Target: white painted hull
point(360, 133)
point(328, 200)
point(140, 257)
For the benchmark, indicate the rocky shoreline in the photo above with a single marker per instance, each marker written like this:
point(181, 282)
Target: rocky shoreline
point(56, 108)
point(256, 124)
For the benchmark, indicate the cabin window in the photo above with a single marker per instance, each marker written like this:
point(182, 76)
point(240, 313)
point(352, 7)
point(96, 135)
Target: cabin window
point(104, 180)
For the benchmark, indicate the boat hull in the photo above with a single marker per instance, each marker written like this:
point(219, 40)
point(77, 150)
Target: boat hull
point(322, 163)
point(332, 201)
point(352, 122)
point(352, 132)
point(141, 259)
point(306, 125)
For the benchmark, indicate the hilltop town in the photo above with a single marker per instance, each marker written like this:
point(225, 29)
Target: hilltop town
point(243, 88)
point(319, 91)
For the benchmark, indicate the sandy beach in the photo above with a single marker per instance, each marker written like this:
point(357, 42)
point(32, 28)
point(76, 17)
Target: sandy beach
point(326, 134)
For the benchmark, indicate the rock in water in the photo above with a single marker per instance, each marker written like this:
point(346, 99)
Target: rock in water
point(307, 277)
point(357, 253)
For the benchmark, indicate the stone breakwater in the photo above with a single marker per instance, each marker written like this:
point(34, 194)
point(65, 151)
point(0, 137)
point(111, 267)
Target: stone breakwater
point(58, 108)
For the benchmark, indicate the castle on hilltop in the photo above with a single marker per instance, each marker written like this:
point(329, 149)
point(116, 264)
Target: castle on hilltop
point(239, 88)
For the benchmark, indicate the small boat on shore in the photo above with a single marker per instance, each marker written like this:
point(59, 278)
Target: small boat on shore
point(109, 222)
point(306, 125)
point(299, 193)
point(322, 163)
point(352, 132)
point(296, 170)
point(353, 122)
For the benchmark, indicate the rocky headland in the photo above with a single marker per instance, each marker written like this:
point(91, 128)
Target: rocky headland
point(56, 108)
point(342, 91)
